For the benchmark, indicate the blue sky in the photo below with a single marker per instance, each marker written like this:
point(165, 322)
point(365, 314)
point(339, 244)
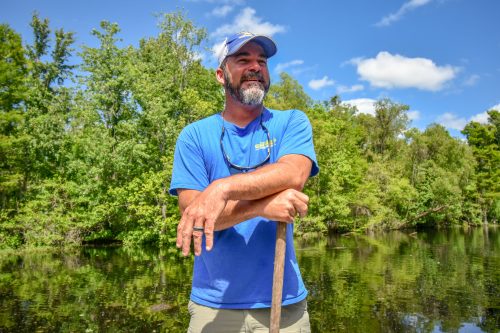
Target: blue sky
point(441, 57)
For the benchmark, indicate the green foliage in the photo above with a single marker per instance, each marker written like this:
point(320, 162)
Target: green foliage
point(13, 70)
point(334, 190)
point(384, 128)
point(45, 73)
point(440, 169)
point(287, 94)
point(485, 142)
point(94, 290)
point(92, 161)
point(394, 282)
point(385, 282)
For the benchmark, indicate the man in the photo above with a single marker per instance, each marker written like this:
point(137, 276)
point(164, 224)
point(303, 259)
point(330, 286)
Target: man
point(235, 174)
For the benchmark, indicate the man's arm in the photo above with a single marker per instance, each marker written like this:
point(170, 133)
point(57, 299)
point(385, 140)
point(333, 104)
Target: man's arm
point(205, 208)
point(290, 171)
point(282, 206)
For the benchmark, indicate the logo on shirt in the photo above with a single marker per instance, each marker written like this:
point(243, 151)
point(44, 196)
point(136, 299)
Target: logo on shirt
point(265, 144)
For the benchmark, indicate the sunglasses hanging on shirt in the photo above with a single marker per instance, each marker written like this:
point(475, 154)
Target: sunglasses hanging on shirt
point(246, 168)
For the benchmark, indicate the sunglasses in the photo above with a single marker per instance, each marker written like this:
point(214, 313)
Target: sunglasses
point(246, 168)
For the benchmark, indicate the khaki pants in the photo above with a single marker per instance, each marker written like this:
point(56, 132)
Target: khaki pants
point(294, 318)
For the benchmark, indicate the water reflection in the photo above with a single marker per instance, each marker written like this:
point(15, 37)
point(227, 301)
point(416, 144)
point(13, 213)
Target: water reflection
point(447, 281)
point(94, 290)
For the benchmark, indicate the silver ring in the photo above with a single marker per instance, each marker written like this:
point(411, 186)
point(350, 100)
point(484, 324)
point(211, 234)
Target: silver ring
point(195, 228)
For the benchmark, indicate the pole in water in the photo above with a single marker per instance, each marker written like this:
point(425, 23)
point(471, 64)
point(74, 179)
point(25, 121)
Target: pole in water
point(279, 267)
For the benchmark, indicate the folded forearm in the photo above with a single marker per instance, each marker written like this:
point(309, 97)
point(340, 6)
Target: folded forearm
point(282, 206)
point(237, 211)
point(289, 173)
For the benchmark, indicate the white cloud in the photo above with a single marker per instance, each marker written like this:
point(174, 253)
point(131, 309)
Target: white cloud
point(296, 71)
point(450, 120)
point(282, 66)
point(364, 105)
point(221, 11)
point(471, 80)
point(396, 71)
point(345, 89)
point(246, 20)
point(413, 115)
point(367, 106)
point(483, 117)
point(321, 83)
point(480, 118)
point(353, 61)
point(405, 8)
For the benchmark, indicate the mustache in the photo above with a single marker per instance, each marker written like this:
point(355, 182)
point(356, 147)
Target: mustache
point(252, 76)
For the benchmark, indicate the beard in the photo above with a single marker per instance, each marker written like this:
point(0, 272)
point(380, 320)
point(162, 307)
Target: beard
point(253, 94)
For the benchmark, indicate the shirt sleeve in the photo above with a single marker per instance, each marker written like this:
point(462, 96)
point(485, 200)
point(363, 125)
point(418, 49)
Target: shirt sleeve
point(189, 171)
point(298, 139)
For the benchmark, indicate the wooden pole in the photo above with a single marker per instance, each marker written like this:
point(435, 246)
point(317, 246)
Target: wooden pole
point(279, 267)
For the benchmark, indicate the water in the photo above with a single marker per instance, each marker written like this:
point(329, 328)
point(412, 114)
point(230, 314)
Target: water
point(446, 281)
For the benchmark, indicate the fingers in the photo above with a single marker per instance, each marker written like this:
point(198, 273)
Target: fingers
point(197, 237)
point(182, 231)
point(290, 210)
point(301, 209)
point(193, 228)
point(285, 206)
point(185, 232)
point(300, 202)
point(201, 213)
point(303, 197)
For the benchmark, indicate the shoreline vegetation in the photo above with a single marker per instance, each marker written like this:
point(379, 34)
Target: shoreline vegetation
point(306, 239)
point(86, 149)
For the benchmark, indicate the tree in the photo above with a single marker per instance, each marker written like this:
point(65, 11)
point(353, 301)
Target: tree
point(13, 70)
point(335, 190)
point(45, 73)
point(441, 170)
point(48, 101)
point(485, 142)
point(172, 89)
point(384, 128)
point(287, 94)
point(35, 109)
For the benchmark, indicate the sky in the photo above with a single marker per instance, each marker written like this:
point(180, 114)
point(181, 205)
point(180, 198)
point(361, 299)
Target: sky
point(439, 57)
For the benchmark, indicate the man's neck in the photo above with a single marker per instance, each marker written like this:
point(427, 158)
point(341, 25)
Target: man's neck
point(241, 114)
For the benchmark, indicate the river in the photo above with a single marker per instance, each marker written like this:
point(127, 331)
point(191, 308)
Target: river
point(428, 281)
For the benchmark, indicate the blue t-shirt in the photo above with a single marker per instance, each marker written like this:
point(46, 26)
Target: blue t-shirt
point(238, 272)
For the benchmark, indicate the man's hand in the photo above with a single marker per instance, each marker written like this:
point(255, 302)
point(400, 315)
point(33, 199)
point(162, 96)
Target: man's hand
point(206, 208)
point(284, 206)
point(201, 213)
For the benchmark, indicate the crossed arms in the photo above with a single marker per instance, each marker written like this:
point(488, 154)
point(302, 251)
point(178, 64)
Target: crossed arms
point(273, 192)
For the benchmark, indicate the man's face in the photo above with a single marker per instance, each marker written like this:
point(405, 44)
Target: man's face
point(246, 76)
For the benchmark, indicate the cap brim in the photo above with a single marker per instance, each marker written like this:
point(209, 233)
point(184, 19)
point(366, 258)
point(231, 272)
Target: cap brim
point(265, 42)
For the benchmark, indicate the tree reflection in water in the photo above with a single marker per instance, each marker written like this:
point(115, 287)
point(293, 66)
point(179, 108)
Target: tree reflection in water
point(446, 281)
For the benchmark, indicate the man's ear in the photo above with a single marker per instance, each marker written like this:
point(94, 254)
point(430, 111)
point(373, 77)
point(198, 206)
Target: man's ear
point(219, 74)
